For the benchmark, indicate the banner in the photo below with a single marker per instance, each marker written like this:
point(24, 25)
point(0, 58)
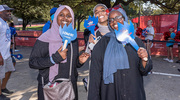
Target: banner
point(161, 24)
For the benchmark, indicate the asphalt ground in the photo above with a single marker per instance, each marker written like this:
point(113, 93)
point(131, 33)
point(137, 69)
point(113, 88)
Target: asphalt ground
point(158, 87)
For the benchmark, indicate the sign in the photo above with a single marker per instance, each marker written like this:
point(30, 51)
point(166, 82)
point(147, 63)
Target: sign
point(144, 32)
point(18, 56)
point(125, 34)
point(68, 34)
point(91, 24)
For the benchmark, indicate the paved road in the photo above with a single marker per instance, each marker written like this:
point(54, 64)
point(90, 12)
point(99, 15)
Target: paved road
point(157, 87)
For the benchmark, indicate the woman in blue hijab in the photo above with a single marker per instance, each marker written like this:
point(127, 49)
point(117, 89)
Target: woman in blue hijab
point(117, 69)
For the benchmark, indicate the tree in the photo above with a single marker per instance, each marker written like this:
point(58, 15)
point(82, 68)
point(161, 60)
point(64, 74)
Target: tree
point(29, 10)
point(81, 13)
point(81, 10)
point(131, 13)
point(169, 5)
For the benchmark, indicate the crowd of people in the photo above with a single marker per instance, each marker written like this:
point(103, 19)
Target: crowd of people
point(116, 68)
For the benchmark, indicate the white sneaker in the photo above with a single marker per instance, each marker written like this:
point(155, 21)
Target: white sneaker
point(171, 61)
point(166, 59)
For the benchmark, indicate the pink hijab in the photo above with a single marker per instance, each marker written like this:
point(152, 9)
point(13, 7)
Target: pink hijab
point(54, 39)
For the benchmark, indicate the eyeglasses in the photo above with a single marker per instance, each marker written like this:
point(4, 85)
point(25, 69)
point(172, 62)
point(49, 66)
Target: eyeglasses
point(117, 18)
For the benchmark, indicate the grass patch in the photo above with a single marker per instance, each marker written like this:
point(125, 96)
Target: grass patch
point(39, 28)
point(32, 28)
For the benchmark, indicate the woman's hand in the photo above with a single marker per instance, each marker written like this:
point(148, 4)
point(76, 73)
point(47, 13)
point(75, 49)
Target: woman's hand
point(142, 53)
point(63, 53)
point(91, 40)
point(83, 57)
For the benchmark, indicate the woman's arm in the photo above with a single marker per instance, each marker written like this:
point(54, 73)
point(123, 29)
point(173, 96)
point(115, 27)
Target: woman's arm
point(81, 57)
point(40, 59)
point(144, 66)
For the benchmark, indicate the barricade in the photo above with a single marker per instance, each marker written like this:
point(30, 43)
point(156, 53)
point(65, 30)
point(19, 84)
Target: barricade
point(28, 38)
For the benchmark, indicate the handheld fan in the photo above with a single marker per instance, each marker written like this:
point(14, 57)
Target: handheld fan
point(91, 23)
point(68, 34)
point(144, 32)
point(125, 33)
point(18, 56)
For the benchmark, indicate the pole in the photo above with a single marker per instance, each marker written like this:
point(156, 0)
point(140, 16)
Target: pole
point(139, 14)
point(178, 25)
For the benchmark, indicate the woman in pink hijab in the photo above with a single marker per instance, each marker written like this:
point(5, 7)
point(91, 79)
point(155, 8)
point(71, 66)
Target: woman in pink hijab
point(48, 57)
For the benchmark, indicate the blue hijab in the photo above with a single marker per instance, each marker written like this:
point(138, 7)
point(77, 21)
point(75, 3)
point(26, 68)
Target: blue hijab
point(115, 55)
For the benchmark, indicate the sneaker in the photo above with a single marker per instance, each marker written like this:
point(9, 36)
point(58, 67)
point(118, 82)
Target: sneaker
point(150, 72)
point(3, 97)
point(178, 70)
point(6, 91)
point(171, 61)
point(166, 59)
point(178, 61)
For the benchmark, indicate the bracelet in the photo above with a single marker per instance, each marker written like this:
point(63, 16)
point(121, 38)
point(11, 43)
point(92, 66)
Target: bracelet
point(51, 59)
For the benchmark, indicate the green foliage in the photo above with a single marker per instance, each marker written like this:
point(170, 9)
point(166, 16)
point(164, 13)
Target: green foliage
point(131, 13)
point(168, 6)
point(147, 8)
point(82, 9)
point(30, 10)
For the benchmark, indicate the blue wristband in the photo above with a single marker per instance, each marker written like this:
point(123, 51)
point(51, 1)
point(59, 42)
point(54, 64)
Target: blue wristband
point(51, 59)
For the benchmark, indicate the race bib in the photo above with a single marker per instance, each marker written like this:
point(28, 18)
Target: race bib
point(8, 35)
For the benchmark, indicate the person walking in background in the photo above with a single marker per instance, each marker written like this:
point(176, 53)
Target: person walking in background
point(6, 65)
point(117, 71)
point(13, 43)
point(86, 36)
point(13, 29)
point(48, 57)
point(13, 34)
point(149, 36)
point(170, 45)
point(48, 24)
point(11, 51)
